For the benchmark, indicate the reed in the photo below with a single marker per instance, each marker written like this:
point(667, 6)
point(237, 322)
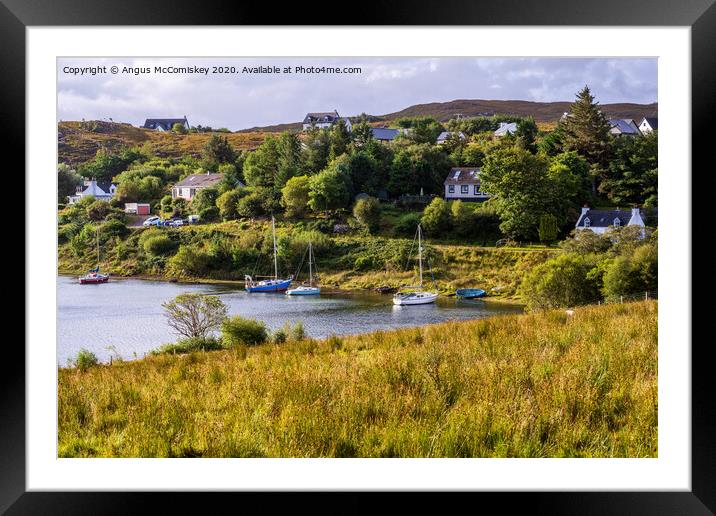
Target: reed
point(538, 385)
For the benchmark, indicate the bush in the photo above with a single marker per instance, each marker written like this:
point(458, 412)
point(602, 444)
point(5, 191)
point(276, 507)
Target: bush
point(436, 217)
point(561, 282)
point(189, 261)
point(367, 212)
point(227, 204)
point(250, 206)
point(210, 214)
point(237, 331)
point(632, 273)
point(190, 345)
point(406, 224)
point(160, 245)
point(85, 359)
point(114, 227)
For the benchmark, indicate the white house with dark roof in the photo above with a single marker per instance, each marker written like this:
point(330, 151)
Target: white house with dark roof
point(100, 190)
point(188, 187)
point(505, 128)
point(623, 127)
point(324, 120)
point(446, 135)
point(165, 124)
point(463, 183)
point(600, 221)
point(648, 124)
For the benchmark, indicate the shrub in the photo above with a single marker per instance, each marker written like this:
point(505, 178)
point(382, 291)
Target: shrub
point(194, 315)
point(85, 359)
point(160, 245)
point(297, 331)
point(98, 210)
point(560, 282)
point(190, 345)
point(227, 204)
point(240, 331)
point(367, 212)
point(250, 206)
point(436, 217)
point(189, 261)
point(114, 227)
point(210, 214)
point(632, 273)
point(406, 224)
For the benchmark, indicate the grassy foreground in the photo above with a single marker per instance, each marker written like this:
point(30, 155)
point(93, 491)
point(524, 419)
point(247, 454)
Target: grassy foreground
point(539, 385)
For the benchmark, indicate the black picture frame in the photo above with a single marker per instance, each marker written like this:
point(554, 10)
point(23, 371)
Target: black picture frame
point(700, 15)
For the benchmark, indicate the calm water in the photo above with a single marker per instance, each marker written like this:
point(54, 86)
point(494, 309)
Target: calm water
point(127, 314)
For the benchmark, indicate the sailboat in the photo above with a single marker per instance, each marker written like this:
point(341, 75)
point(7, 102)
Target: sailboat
point(415, 295)
point(269, 285)
point(306, 290)
point(94, 276)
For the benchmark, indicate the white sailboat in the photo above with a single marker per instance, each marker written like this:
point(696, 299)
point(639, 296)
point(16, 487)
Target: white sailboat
point(94, 276)
point(306, 290)
point(416, 295)
point(269, 285)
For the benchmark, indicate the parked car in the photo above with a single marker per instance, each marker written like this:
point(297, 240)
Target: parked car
point(152, 221)
point(192, 219)
point(175, 223)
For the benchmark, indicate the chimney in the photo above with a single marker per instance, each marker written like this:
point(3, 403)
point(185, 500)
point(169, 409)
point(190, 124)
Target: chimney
point(585, 209)
point(635, 211)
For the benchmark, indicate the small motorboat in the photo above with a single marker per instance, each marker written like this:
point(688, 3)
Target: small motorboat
point(470, 293)
point(94, 276)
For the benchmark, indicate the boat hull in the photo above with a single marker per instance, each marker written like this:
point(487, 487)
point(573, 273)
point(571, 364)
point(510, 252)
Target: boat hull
point(85, 280)
point(303, 291)
point(269, 286)
point(470, 293)
point(415, 298)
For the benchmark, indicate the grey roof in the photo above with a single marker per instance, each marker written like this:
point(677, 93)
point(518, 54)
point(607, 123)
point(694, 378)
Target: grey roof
point(384, 133)
point(200, 180)
point(446, 134)
point(604, 218)
point(506, 128)
point(463, 175)
point(164, 123)
point(323, 117)
point(652, 121)
point(623, 126)
point(105, 185)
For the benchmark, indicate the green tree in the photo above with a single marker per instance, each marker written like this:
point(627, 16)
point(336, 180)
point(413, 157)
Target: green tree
point(261, 166)
point(367, 213)
point(362, 133)
point(316, 150)
point(586, 131)
point(179, 128)
point(436, 217)
point(633, 171)
point(520, 187)
point(67, 182)
point(340, 138)
point(329, 190)
point(217, 150)
point(194, 315)
point(547, 228)
point(204, 198)
point(527, 133)
point(294, 196)
point(228, 203)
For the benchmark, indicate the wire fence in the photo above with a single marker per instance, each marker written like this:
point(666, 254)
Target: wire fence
point(641, 296)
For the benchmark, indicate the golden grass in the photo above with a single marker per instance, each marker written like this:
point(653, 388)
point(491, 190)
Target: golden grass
point(539, 385)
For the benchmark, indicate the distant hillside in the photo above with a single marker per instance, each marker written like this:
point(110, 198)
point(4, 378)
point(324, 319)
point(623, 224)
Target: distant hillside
point(545, 113)
point(78, 142)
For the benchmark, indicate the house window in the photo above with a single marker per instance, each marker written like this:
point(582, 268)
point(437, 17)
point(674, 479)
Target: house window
point(464, 189)
point(587, 222)
point(451, 189)
point(617, 222)
point(476, 190)
point(192, 192)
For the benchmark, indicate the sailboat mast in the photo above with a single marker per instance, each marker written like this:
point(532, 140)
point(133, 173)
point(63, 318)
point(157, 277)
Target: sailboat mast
point(420, 257)
point(310, 268)
point(275, 260)
point(97, 246)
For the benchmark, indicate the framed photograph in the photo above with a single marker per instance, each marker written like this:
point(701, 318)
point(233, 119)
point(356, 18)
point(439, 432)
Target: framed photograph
point(416, 253)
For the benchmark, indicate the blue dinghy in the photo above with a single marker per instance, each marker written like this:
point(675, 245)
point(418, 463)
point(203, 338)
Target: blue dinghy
point(470, 293)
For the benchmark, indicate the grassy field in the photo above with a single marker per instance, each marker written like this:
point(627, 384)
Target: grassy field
point(539, 385)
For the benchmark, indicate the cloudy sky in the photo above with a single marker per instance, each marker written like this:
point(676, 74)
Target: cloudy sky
point(241, 100)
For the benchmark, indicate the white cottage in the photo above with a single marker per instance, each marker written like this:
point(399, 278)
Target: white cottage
point(324, 120)
point(102, 191)
point(463, 183)
point(600, 221)
point(648, 124)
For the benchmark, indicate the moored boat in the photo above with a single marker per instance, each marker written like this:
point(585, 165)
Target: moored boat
point(415, 295)
point(470, 293)
point(306, 290)
point(94, 276)
point(269, 285)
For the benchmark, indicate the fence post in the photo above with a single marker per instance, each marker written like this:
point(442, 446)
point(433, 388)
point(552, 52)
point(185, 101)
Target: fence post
point(646, 295)
point(621, 299)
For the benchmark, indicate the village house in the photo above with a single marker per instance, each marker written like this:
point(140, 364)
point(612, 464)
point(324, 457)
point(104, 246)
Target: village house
point(324, 120)
point(446, 135)
point(648, 124)
point(623, 127)
point(505, 128)
point(165, 124)
point(102, 191)
point(188, 187)
point(385, 135)
point(463, 183)
point(600, 221)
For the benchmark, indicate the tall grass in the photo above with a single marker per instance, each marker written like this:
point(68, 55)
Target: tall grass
point(538, 385)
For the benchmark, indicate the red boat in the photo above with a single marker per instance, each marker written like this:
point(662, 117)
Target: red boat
point(94, 276)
